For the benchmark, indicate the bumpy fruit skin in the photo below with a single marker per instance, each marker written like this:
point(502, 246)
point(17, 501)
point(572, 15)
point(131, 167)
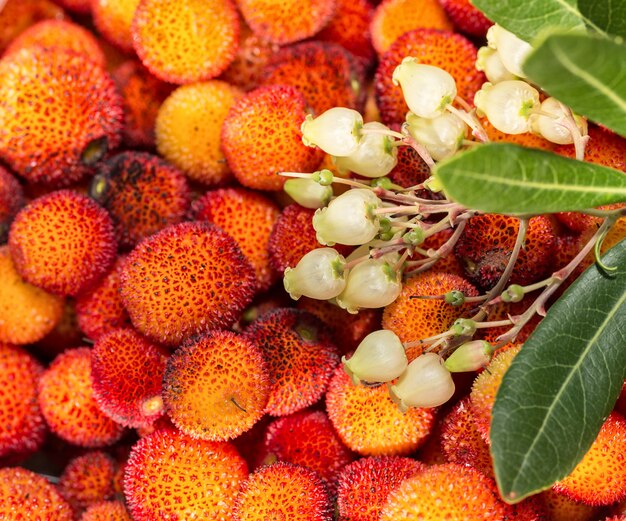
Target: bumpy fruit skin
point(106, 511)
point(365, 484)
point(184, 280)
point(467, 18)
point(370, 423)
point(78, 420)
point(17, 15)
point(113, 19)
point(393, 18)
point(600, 477)
point(26, 495)
point(11, 201)
point(22, 427)
point(526, 139)
point(447, 50)
point(447, 491)
point(59, 34)
point(325, 73)
point(185, 41)
point(486, 244)
point(142, 194)
point(27, 313)
point(261, 137)
point(562, 508)
point(59, 113)
point(172, 476)
point(62, 242)
point(307, 438)
point(604, 148)
point(217, 386)
point(287, 21)
point(127, 375)
point(283, 491)
point(88, 479)
point(248, 217)
point(188, 130)
point(300, 354)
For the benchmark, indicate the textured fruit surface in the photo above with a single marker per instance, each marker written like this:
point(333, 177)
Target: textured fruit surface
point(261, 137)
point(368, 421)
point(184, 41)
point(27, 313)
point(365, 484)
point(22, 427)
point(26, 495)
point(172, 476)
point(88, 479)
point(249, 218)
point(18, 15)
point(300, 354)
point(216, 387)
point(188, 130)
point(113, 19)
point(447, 491)
point(287, 21)
point(449, 51)
point(106, 511)
point(11, 201)
point(467, 18)
point(59, 113)
point(283, 491)
point(142, 194)
point(62, 242)
point(68, 405)
point(127, 374)
point(186, 279)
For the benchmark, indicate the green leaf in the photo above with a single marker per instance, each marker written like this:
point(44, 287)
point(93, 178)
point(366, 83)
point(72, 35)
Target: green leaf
point(527, 18)
point(563, 383)
point(609, 15)
point(506, 178)
point(586, 72)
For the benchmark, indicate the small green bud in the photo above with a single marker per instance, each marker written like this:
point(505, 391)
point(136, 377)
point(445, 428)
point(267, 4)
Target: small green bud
point(326, 177)
point(514, 293)
point(470, 356)
point(455, 297)
point(386, 236)
point(415, 237)
point(433, 184)
point(382, 182)
point(463, 326)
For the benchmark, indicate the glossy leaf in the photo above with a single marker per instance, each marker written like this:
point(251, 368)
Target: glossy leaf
point(506, 178)
point(609, 15)
point(563, 383)
point(586, 72)
point(527, 18)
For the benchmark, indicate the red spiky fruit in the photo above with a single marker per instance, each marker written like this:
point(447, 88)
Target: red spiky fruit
point(216, 386)
point(88, 479)
point(62, 242)
point(603, 148)
point(113, 19)
point(300, 354)
point(370, 423)
point(449, 51)
point(365, 484)
point(78, 419)
point(127, 374)
point(283, 491)
point(249, 218)
point(22, 427)
point(170, 475)
point(307, 438)
point(106, 511)
point(267, 121)
point(287, 21)
point(26, 495)
point(142, 194)
point(59, 114)
point(186, 279)
point(562, 508)
point(17, 15)
point(467, 18)
point(185, 41)
point(447, 491)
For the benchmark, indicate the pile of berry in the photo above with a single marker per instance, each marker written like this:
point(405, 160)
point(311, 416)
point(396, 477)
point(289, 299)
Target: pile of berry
point(153, 361)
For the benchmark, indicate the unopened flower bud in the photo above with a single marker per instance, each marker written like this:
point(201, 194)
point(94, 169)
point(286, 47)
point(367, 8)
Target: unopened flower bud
point(425, 383)
point(383, 182)
point(348, 219)
point(554, 129)
point(427, 90)
point(441, 136)
point(380, 357)
point(336, 131)
point(308, 193)
point(463, 326)
point(455, 297)
point(324, 177)
point(489, 61)
point(415, 237)
point(508, 105)
point(320, 275)
point(512, 50)
point(514, 293)
point(470, 356)
point(372, 283)
point(374, 157)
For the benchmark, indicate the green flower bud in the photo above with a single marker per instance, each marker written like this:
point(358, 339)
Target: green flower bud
point(455, 297)
point(470, 356)
point(514, 293)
